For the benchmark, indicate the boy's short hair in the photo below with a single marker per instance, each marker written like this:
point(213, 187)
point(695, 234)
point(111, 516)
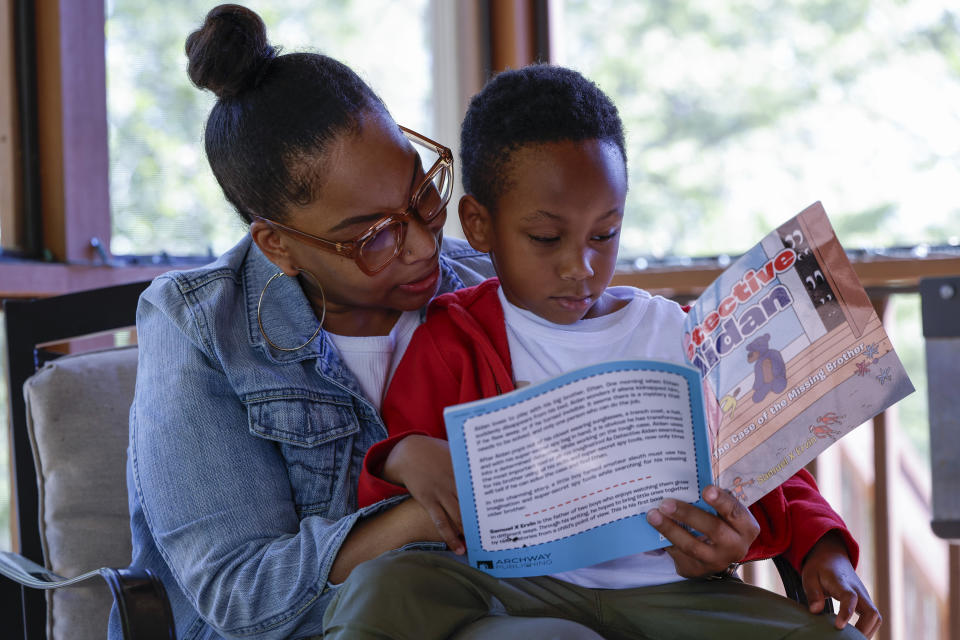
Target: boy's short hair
point(535, 104)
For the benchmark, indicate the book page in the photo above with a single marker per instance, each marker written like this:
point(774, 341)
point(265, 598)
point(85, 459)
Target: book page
point(559, 475)
point(792, 355)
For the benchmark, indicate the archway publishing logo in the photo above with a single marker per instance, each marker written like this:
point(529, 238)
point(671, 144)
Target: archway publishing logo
point(532, 560)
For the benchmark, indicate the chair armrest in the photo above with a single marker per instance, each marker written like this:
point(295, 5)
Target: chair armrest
point(141, 600)
point(793, 584)
point(141, 603)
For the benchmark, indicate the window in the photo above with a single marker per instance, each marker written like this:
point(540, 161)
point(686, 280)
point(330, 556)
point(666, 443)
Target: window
point(741, 114)
point(163, 197)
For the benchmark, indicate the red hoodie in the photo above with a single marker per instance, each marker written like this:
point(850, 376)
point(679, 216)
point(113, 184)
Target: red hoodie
point(463, 345)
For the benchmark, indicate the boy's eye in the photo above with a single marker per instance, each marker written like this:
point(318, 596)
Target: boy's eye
point(604, 237)
point(543, 239)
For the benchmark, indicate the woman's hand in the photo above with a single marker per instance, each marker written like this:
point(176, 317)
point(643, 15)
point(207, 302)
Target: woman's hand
point(724, 538)
point(827, 571)
point(422, 465)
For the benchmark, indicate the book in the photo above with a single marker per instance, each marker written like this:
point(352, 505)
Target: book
point(784, 355)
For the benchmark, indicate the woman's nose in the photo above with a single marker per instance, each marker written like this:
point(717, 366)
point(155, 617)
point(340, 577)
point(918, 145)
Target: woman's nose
point(423, 238)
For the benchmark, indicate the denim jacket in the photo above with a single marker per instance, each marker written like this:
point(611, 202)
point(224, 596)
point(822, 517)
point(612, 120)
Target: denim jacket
point(243, 460)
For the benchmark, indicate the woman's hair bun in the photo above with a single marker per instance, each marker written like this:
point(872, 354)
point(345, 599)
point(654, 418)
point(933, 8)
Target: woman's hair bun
point(229, 52)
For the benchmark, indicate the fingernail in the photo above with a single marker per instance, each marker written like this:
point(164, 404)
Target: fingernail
point(711, 493)
point(668, 506)
point(654, 517)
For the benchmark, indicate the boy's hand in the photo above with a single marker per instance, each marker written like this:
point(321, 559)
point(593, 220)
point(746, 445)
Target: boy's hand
point(422, 465)
point(827, 571)
point(724, 538)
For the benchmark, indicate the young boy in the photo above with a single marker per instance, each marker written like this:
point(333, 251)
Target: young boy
point(544, 169)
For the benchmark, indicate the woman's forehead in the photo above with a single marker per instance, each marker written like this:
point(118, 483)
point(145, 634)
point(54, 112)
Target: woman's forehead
point(369, 169)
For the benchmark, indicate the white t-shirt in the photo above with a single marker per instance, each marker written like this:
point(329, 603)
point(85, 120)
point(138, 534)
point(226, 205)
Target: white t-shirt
point(646, 327)
point(374, 359)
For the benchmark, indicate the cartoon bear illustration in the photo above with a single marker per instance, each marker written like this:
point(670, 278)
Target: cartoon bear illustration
point(769, 370)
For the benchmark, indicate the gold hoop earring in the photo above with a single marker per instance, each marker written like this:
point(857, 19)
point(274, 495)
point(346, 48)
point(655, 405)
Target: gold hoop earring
point(323, 313)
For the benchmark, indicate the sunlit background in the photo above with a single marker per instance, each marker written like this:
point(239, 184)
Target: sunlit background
point(738, 115)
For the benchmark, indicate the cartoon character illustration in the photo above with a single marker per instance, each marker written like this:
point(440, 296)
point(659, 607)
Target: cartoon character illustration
point(769, 370)
point(728, 404)
point(830, 418)
point(822, 429)
point(738, 488)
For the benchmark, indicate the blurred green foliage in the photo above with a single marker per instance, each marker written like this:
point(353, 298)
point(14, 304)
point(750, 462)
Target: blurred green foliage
point(740, 114)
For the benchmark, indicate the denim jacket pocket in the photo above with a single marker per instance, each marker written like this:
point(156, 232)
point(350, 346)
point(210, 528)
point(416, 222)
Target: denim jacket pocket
point(315, 435)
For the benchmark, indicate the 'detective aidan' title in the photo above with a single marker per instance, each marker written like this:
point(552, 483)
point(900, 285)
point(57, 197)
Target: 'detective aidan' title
point(705, 345)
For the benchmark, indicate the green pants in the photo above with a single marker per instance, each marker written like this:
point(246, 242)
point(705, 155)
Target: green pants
point(425, 595)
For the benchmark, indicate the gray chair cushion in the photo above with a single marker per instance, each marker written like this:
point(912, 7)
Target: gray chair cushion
point(77, 416)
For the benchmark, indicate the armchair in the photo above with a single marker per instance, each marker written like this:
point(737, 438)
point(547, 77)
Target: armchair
point(68, 443)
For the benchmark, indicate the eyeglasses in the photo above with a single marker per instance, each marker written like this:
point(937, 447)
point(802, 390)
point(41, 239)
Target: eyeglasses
point(376, 247)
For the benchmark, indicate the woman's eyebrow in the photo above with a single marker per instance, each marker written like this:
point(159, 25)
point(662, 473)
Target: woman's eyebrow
point(363, 218)
point(372, 217)
point(417, 168)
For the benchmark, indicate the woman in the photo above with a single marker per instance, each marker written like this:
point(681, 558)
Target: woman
point(260, 375)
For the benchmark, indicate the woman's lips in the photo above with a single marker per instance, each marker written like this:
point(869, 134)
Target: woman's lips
point(427, 283)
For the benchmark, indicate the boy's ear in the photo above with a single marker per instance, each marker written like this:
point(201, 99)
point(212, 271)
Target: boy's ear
point(274, 246)
point(477, 223)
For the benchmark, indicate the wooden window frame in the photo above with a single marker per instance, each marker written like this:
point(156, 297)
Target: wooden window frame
point(10, 175)
point(72, 150)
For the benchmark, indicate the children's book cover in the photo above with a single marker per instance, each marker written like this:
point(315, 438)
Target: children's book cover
point(792, 355)
point(785, 355)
